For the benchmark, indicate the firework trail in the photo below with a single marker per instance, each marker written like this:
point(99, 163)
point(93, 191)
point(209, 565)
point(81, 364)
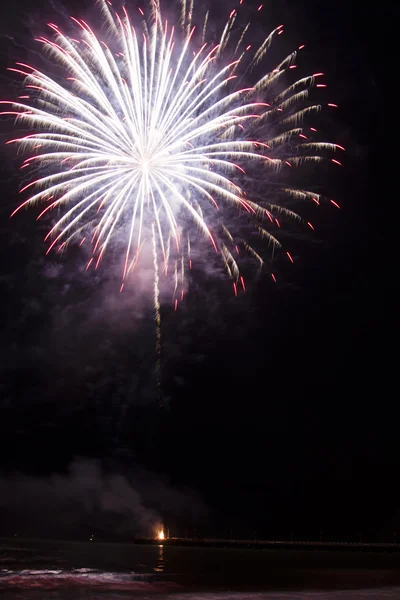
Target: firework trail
point(157, 316)
point(155, 135)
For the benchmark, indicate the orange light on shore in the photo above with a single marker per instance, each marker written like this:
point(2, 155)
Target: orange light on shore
point(161, 535)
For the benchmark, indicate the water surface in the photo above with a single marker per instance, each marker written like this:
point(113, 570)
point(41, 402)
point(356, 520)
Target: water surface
point(51, 570)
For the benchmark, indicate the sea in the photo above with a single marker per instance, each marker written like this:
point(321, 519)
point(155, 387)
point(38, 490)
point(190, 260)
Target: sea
point(60, 570)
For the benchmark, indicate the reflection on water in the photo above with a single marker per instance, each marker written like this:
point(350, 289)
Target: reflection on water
point(160, 560)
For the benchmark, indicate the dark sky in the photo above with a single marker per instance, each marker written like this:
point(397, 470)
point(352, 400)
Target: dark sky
point(279, 408)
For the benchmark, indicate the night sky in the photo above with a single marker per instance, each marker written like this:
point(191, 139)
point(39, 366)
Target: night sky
point(279, 408)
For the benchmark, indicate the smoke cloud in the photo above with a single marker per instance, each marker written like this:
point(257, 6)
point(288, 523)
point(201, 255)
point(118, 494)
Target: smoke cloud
point(91, 499)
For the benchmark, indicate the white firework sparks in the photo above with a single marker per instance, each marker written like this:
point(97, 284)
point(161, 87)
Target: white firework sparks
point(154, 129)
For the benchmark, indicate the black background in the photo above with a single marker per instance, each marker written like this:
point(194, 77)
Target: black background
point(280, 409)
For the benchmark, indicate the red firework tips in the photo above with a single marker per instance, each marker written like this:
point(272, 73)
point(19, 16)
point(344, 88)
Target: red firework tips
point(290, 257)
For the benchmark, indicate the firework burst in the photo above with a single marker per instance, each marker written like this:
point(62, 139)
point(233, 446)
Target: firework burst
point(157, 129)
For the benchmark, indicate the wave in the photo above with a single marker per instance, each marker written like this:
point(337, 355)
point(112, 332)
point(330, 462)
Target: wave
point(84, 577)
point(147, 583)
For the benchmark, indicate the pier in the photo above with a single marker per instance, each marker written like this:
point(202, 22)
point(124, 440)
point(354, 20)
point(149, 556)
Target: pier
point(271, 544)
